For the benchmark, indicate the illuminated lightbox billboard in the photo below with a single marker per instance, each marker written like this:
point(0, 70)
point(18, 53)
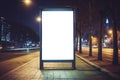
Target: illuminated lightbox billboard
point(57, 35)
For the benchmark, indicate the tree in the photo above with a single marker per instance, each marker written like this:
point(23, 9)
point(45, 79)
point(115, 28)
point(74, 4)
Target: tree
point(76, 46)
point(80, 37)
point(90, 27)
point(100, 37)
point(114, 11)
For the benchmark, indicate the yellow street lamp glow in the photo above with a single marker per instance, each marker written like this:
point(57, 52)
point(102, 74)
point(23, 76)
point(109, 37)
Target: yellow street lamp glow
point(27, 2)
point(94, 40)
point(38, 19)
point(110, 32)
point(92, 37)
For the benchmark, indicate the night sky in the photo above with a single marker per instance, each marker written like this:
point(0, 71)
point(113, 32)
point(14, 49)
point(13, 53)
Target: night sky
point(15, 11)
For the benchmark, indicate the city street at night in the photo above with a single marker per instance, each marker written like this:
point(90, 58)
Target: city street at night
point(29, 70)
point(59, 39)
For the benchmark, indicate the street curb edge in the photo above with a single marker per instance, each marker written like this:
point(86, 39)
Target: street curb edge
point(100, 68)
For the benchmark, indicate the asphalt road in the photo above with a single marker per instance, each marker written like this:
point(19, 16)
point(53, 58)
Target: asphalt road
point(12, 60)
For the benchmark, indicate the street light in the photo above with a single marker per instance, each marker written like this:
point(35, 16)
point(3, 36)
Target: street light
point(27, 2)
point(38, 19)
point(110, 32)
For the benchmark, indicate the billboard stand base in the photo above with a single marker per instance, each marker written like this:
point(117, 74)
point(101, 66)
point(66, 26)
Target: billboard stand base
point(73, 66)
point(41, 65)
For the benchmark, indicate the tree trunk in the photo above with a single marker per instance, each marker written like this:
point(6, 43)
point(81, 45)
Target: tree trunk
point(90, 44)
point(115, 42)
point(80, 42)
point(115, 45)
point(90, 27)
point(76, 42)
point(100, 38)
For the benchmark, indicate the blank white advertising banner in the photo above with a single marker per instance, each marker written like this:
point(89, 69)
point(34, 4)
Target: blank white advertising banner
point(57, 35)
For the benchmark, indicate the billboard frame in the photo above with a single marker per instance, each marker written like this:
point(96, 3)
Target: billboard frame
point(74, 30)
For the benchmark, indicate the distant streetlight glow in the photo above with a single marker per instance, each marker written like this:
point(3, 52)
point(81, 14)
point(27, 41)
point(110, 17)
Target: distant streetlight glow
point(38, 19)
point(27, 2)
point(107, 21)
point(110, 32)
point(94, 40)
point(92, 37)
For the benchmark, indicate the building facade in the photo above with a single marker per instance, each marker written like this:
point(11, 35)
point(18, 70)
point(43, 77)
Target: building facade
point(4, 30)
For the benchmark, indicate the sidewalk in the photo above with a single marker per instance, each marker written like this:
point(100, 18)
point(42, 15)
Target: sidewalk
point(31, 71)
point(104, 65)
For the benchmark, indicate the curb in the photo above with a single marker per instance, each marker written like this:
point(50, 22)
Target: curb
point(117, 77)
